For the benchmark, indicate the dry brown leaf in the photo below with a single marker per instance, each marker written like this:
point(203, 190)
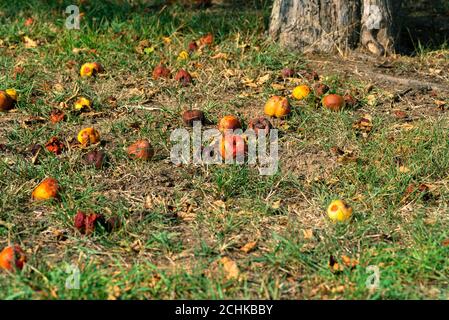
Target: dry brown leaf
point(277, 86)
point(263, 79)
point(230, 268)
point(364, 125)
point(221, 55)
point(248, 247)
point(308, 233)
point(445, 243)
point(249, 82)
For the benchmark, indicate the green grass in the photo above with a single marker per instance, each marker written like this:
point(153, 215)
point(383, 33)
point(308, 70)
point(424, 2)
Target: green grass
point(178, 222)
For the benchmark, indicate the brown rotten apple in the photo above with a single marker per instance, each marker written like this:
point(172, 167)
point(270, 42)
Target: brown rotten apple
point(161, 72)
point(141, 149)
point(260, 124)
point(190, 116)
point(54, 146)
point(95, 158)
point(183, 77)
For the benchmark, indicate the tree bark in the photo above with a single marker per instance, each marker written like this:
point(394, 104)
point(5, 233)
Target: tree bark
point(326, 25)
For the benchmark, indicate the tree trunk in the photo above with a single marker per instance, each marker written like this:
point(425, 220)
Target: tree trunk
point(327, 25)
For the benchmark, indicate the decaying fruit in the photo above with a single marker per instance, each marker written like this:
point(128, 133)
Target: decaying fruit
point(82, 104)
point(88, 136)
point(95, 158)
point(206, 40)
point(301, 92)
point(277, 107)
point(183, 77)
point(54, 145)
point(287, 73)
point(141, 149)
point(320, 89)
point(310, 75)
point(12, 93)
point(260, 124)
point(333, 102)
point(56, 116)
point(229, 123)
point(12, 258)
point(232, 145)
point(47, 189)
point(86, 223)
point(350, 100)
point(190, 116)
point(192, 46)
point(90, 69)
point(6, 101)
point(161, 71)
point(339, 211)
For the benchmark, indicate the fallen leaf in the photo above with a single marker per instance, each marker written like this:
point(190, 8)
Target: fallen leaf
point(29, 43)
point(278, 86)
point(230, 268)
point(167, 40)
point(364, 125)
point(221, 55)
point(263, 79)
point(248, 247)
point(308, 233)
point(400, 114)
point(445, 243)
point(403, 169)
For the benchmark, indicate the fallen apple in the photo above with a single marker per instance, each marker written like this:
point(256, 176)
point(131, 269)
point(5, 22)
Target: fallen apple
point(301, 92)
point(339, 211)
point(232, 146)
point(12, 93)
point(183, 77)
point(90, 69)
point(320, 89)
point(160, 71)
point(190, 116)
point(6, 101)
point(333, 102)
point(86, 223)
point(192, 46)
point(56, 116)
point(287, 73)
point(141, 149)
point(12, 258)
point(277, 106)
point(95, 158)
point(207, 40)
point(82, 104)
point(229, 123)
point(47, 189)
point(88, 136)
point(54, 146)
point(260, 124)
point(350, 100)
